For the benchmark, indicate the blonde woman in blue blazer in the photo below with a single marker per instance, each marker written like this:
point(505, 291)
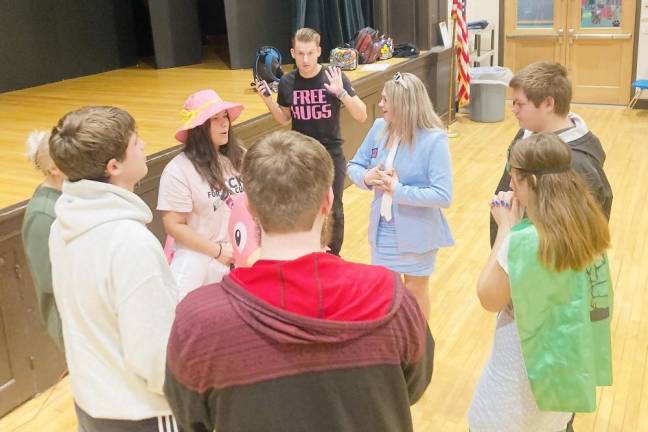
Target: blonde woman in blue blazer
point(405, 160)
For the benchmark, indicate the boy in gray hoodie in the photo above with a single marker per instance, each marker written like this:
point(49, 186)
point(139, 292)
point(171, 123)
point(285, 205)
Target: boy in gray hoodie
point(112, 285)
point(541, 100)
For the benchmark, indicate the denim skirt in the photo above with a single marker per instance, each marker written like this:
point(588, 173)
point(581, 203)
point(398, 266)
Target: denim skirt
point(386, 253)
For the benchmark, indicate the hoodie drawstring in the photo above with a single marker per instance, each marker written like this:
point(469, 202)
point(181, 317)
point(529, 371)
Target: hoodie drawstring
point(320, 294)
point(283, 287)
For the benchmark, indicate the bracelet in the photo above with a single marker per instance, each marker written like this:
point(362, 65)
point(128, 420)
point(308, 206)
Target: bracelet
point(220, 250)
point(341, 95)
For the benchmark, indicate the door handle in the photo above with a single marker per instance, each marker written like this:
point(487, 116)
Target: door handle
point(602, 36)
point(571, 33)
point(551, 35)
point(561, 32)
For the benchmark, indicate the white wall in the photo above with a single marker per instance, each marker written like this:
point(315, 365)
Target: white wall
point(642, 54)
point(482, 10)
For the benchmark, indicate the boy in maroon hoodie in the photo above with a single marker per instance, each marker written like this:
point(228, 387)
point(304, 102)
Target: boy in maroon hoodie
point(302, 340)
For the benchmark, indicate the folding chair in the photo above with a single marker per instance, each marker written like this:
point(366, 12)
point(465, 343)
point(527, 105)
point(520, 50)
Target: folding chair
point(639, 86)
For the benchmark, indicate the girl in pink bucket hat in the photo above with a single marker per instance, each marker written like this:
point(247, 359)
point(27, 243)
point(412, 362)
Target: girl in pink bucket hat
point(196, 190)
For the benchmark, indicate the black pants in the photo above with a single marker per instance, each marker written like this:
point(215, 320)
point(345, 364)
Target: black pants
point(336, 226)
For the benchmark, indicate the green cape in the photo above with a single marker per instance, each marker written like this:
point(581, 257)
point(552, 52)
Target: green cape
point(563, 319)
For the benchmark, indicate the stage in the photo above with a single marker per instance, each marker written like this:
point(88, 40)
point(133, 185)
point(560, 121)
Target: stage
point(153, 96)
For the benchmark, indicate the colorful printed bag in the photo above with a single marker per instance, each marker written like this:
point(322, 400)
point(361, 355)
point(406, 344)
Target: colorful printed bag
point(386, 48)
point(344, 58)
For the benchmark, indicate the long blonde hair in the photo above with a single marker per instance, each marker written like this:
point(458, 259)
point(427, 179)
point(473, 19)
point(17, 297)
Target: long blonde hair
point(572, 228)
point(411, 107)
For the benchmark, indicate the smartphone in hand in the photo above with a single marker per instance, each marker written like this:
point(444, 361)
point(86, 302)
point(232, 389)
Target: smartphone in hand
point(266, 88)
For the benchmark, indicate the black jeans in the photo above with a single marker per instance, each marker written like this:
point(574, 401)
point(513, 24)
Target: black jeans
point(336, 227)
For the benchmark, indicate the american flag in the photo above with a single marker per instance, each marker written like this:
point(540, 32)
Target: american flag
point(463, 53)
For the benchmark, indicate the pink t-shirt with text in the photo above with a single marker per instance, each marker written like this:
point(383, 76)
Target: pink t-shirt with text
point(183, 190)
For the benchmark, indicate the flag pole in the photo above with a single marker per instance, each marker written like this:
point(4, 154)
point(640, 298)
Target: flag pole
point(453, 50)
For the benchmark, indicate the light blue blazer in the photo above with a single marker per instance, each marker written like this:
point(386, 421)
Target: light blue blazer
point(425, 187)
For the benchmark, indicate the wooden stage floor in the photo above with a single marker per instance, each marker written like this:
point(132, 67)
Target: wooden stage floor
point(153, 96)
point(463, 331)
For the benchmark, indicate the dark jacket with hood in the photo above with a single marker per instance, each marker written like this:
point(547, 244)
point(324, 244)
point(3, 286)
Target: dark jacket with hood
point(588, 158)
point(314, 344)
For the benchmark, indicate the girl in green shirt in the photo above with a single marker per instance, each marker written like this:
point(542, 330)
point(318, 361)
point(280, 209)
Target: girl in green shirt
point(547, 277)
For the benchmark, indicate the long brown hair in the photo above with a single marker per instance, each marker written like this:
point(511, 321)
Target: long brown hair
point(572, 228)
point(199, 149)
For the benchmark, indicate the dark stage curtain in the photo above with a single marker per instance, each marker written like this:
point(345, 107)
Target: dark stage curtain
point(336, 20)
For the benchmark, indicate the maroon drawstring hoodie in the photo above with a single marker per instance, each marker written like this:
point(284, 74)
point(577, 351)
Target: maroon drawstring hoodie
point(316, 343)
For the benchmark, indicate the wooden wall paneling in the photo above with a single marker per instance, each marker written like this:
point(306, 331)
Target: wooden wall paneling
point(411, 21)
point(26, 351)
point(16, 379)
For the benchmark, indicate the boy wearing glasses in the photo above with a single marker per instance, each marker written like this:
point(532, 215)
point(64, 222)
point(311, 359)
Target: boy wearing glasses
point(541, 100)
point(311, 98)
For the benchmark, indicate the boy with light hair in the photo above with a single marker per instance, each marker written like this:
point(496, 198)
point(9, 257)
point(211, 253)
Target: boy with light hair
point(310, 99)
point(302, 340)
point(112, 285)
point(542, 95)
point(38, 219)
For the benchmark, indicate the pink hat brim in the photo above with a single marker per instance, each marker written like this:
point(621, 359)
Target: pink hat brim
point(233, 111)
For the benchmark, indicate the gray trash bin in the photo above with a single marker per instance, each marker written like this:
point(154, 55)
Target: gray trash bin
point(488, 92)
